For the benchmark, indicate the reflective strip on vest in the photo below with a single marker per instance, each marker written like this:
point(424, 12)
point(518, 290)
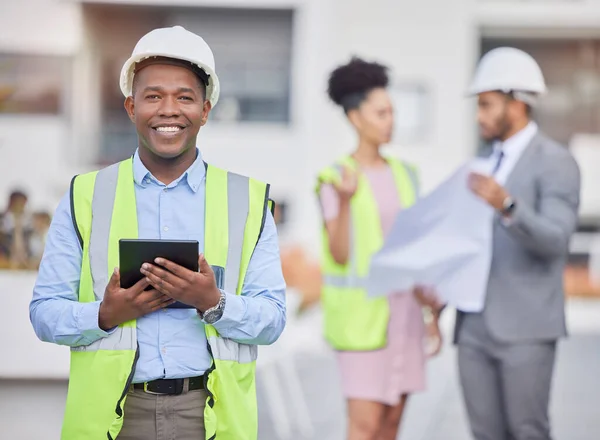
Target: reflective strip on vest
point(123, 338)
point(238, 205)
point(229, 350)
point(103, 200)
point(345, 281)
point(103, 203)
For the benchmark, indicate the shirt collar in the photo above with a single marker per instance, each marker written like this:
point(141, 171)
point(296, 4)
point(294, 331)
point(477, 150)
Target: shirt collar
point(193, 176)
point(515, 144)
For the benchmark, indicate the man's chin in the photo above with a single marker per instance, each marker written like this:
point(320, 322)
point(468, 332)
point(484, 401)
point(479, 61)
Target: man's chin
point(168, 152)
point(487, 137)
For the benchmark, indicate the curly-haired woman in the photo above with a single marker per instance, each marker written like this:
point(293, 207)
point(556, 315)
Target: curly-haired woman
point(379, 342)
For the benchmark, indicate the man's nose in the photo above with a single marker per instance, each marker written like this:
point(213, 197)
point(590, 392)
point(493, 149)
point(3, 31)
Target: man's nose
point(169, 107)
point(480, 117)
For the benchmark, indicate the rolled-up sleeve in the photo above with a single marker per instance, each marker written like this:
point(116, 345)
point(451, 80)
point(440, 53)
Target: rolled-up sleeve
point(257, 316)
point(55, 312)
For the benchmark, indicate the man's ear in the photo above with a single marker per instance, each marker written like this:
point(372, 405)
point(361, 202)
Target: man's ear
point(206, 110)
point(523, 110)
point(130, 108)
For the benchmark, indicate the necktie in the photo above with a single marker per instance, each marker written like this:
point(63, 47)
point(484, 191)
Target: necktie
point(498, 162)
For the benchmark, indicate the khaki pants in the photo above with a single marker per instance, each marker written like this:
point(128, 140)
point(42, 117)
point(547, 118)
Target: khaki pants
point(161, 417)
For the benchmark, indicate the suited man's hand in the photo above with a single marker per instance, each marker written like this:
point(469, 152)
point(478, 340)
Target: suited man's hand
point(488, 189)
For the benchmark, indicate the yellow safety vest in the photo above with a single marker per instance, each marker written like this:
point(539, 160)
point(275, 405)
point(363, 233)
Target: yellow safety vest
point(354, 322)
point(103, 206)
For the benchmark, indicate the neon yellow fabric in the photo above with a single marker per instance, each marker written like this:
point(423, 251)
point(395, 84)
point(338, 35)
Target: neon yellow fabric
point(354, 322)
point(100, 377)
point(231, 411)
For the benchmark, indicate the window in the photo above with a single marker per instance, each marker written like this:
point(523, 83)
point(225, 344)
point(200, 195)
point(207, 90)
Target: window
point(412, 112)
point(252, 51)
point(32, 84)
point(253, 56)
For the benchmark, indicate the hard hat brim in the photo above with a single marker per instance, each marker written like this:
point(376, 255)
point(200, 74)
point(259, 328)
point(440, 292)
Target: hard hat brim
point(474, 91)
point(126, 81)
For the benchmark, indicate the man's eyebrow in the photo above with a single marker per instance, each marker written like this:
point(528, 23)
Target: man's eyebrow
point(185, 90)
point(161, 89)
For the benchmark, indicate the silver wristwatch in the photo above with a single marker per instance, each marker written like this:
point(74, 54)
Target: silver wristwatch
point(508, 206)
point(213, 314)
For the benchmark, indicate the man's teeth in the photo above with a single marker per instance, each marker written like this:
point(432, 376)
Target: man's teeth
point(175, 128)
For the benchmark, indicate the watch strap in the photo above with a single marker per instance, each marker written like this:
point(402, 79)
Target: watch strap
point(219, 307)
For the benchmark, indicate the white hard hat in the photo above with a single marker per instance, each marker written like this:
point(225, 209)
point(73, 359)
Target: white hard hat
point(177, 43)
point(507, 69)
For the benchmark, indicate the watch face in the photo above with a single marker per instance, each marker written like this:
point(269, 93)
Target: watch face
point(509, 207)
point(213, 316)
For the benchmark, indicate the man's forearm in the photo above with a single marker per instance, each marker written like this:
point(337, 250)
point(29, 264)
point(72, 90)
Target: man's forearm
point(66, 322)
point(339, 238)
point(540, 235)
point(257, 320)
point(545, 228)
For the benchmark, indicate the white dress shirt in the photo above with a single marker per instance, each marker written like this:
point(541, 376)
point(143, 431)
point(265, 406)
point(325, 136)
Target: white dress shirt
point(441, 242)
point(512, 148)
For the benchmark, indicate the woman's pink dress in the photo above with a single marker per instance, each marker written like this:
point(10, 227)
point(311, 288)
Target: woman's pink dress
point(399, 368)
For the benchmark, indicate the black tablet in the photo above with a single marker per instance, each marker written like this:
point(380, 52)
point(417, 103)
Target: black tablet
point(134, 253)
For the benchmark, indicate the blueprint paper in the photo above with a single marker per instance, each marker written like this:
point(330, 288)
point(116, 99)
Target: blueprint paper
point(443, 241)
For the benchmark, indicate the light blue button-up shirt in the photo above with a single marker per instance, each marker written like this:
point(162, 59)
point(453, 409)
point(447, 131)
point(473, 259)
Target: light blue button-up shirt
point(172, 342)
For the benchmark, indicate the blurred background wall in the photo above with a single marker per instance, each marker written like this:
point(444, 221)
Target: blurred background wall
point(273, 57)
point(61, 110)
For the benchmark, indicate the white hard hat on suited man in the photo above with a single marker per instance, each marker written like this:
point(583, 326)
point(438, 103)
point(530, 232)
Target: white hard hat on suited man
point(507, 69)
point(178, 43)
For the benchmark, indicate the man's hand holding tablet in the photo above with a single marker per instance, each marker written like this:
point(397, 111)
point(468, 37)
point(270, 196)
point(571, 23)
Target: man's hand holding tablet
point(197, 289)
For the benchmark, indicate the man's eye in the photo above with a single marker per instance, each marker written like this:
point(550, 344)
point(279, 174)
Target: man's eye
point(152, 97)
point(186, 98)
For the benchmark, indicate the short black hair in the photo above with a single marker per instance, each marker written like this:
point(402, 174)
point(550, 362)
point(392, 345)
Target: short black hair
point(349, 84)
point(202, 77)
point(17, 194)
point(528, 107)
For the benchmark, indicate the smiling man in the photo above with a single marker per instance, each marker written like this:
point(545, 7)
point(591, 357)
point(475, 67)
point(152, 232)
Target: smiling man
point(140, 369)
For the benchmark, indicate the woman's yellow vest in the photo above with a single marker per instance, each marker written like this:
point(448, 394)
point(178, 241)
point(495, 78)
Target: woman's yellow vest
point(354, 322)
point(104, 211)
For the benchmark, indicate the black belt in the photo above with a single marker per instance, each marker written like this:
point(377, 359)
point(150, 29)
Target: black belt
point(170, 386)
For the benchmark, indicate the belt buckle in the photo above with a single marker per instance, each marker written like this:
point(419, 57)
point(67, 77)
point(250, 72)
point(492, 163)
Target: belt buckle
point(146, 390)
point(176, 391)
